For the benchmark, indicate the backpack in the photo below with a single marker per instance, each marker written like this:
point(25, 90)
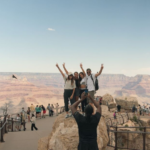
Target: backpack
point(96, 83)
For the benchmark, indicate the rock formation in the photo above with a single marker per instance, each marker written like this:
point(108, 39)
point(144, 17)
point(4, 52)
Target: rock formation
point(126, 102)
point(64, 135)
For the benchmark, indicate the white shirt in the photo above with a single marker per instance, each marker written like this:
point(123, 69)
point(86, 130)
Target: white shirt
point(90, 84)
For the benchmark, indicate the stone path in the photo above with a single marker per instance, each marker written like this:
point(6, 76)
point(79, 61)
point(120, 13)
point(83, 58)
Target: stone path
point(28, 140)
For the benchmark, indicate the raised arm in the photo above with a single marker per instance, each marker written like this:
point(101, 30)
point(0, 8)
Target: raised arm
point(65, 68)
point(75, 105)
point(81, 66)
point(60, 70)
point(96, 75)
point(96, 105)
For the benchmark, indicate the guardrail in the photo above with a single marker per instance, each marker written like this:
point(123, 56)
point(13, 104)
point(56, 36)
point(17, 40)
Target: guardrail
point(125, 137)
point(120, 138)
point(3, 129)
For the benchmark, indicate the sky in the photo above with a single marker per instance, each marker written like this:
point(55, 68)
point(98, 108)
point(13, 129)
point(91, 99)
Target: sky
point(36, 34)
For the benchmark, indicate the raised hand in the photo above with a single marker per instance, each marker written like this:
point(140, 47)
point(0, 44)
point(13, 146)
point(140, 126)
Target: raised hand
point(102, 66)
point(63, 64)
point(81, 65)
point(57, 65)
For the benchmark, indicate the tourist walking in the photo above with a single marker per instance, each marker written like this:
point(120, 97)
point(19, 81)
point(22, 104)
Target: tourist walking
point(40, 111)
point(87, 125)
point(44, 111)
point(49, 109)
point(90, 81)
point(77, 82)
point(28, 114)
point(32, 109)
point(82, 77)
point(69, 89)
point(100, 100)
point(33, 121)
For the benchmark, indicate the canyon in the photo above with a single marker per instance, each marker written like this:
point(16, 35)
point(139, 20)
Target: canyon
point(44, 88)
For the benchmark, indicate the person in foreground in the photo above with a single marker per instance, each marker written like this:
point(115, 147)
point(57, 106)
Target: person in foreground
point(87, 124)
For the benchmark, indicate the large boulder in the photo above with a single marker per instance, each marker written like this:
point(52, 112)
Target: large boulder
point(107, 98)
point(126, 102)
point(64, 135)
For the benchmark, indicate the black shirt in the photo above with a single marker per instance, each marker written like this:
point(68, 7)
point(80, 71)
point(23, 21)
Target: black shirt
point(43, 108)
point(77, 83)
point(118, 107)
point(87, 128)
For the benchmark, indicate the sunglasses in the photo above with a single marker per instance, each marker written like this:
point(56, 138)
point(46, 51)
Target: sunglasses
point(88, 71)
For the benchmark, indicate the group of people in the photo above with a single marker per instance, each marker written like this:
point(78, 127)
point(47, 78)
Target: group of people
point(141, 110)
point(80, 89)
point(76, 84)
point(31, 114)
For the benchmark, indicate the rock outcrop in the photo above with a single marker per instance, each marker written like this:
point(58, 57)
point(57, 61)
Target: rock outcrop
point(64, 135)
point(126, 102)
point(108, 101)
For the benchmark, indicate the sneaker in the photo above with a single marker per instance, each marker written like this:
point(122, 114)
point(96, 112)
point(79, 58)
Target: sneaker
point(67, 116)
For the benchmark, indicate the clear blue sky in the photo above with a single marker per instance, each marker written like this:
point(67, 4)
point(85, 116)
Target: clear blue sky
point(113, 32)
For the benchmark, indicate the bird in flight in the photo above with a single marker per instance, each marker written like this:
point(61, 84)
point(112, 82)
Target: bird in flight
point(13, 76)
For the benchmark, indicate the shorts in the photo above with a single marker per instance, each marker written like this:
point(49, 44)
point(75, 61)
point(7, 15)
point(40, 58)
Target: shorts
point(92, 93)
point(77, 92)
point(115, 117)
point(44, 111)
point(118, 110)
point(37, 112)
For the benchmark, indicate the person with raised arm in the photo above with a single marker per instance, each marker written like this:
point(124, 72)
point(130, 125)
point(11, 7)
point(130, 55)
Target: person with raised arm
point(77, 81)
point(82, 78)
point(87, 125)
point(69, 89)
point(90, 81)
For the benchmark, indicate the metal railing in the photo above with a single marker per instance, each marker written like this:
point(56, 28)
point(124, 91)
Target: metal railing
point(129, 138)
point(124, 138)
point(3, 129)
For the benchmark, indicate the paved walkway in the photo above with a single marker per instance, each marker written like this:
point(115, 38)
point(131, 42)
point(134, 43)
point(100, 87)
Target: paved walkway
point(28, 140)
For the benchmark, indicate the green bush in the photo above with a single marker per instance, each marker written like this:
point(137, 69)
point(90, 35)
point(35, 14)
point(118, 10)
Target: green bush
point(126, 125)
point(135, 119)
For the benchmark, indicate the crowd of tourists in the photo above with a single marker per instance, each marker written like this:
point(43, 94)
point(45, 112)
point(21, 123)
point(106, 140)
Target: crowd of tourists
point(141, 110)
point(31, 114)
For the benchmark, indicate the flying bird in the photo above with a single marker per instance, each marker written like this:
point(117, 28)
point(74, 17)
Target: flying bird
point(13, 76)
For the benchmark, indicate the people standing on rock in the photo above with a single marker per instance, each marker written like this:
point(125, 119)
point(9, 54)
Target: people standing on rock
point(32, 109)
point(82, 78)
point(44, 111)
point(77, 82)
point(28, 114)
point(22, 118)
point(69, 89)
point(49, 109)
point(18, 122)
point(119, 109)
point(90, 81)
point(87, 125)
point(33, 121)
